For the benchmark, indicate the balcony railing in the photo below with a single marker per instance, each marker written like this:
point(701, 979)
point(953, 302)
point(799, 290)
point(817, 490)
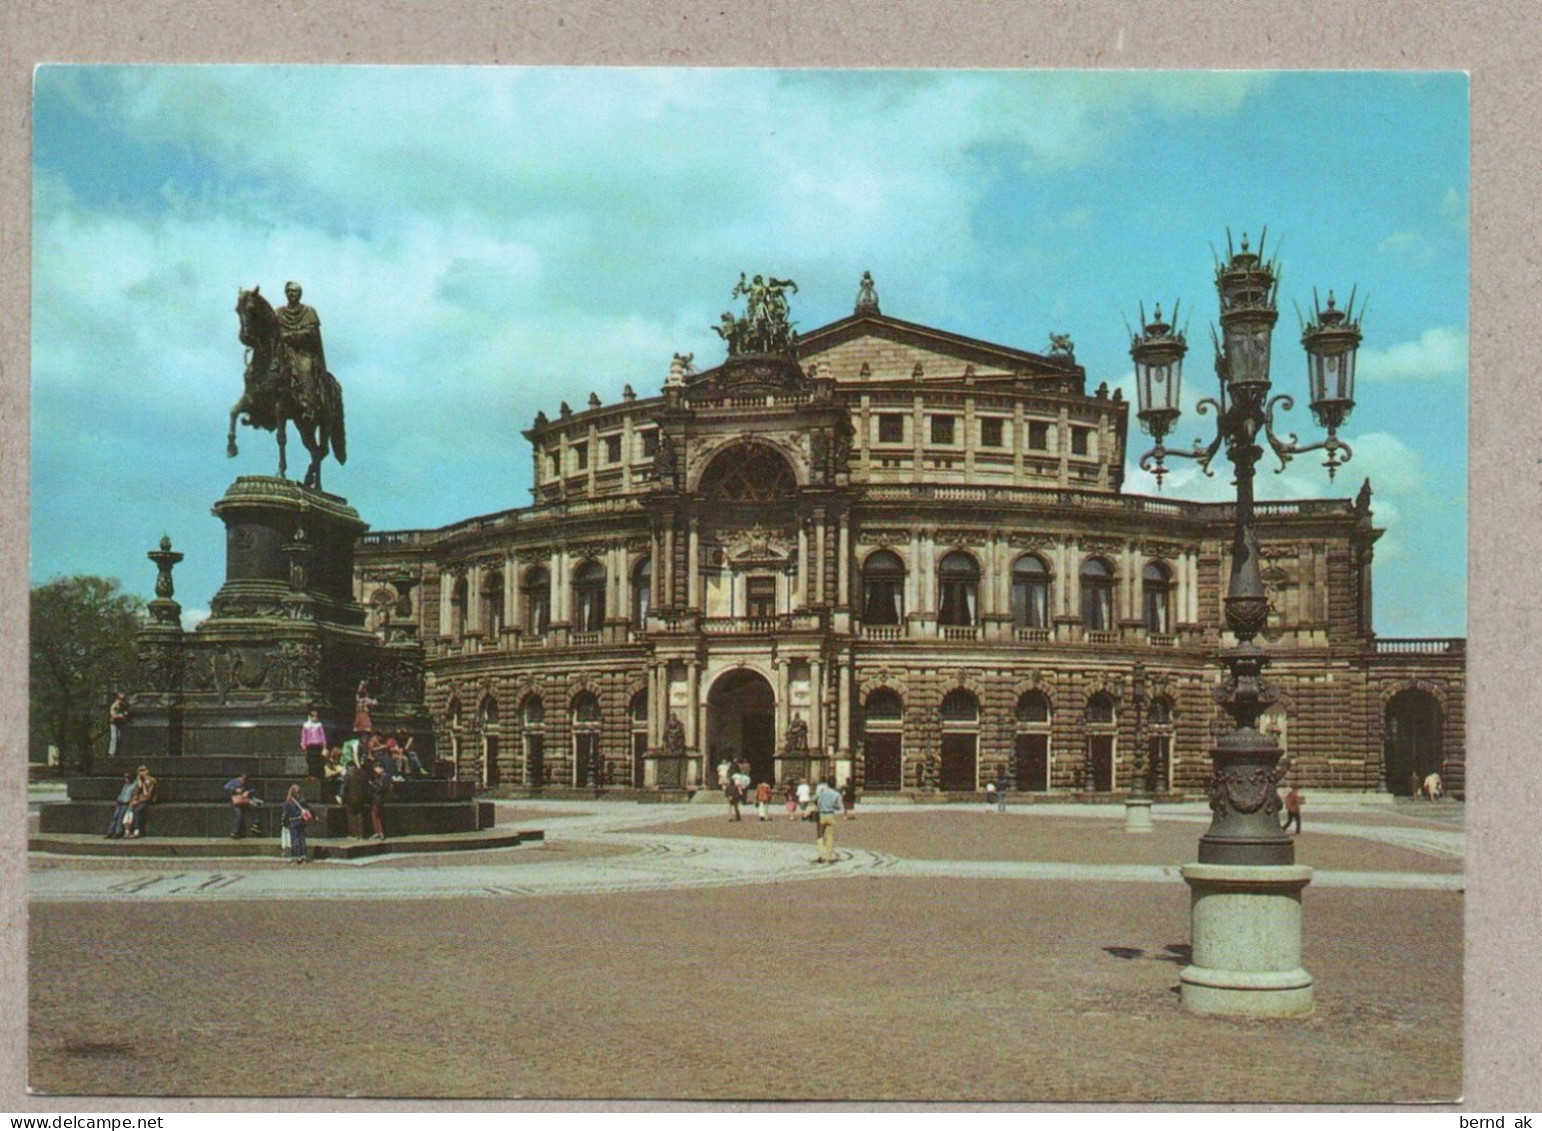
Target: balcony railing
point(1102, 636)
point(787, 622)
point(960, 632)
point(1421, 646)
point(1033, 635)
point(529, 641)
point(883, 631)
point(586, 639)
point(1161, 640)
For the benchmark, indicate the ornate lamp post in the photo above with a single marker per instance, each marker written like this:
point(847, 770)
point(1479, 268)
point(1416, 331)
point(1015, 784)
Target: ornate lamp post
point(1137, 806)
point(1246, 887)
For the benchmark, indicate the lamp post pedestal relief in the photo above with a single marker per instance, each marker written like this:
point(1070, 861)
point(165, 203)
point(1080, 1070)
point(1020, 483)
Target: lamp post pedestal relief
point(1245, 890)
point(1137, 806)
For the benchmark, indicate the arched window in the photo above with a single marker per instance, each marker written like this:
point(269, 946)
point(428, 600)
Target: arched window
point(588, 766)
point(1032, 708)
point(639, 710)
point(958, 585)
point(748, 473)
point(459, 604)
point(588, 597)
point(492, 603)
point(534, 712)
point(883, 588)
point(884, 706)
point(642, 591)
point(1030, 592)
point(1160, 713)
point(1099, 769)
point(488, 709)
point(537, 601)
point(1100, 709)
point(1097, 595)
point(1156, 587)
point(960, 706)
point(586, 708)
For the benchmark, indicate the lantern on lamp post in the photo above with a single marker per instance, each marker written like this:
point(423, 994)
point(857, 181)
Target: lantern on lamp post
point(1245, 858)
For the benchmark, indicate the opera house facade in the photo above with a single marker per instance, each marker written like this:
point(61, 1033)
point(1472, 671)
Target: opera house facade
point(896, 555)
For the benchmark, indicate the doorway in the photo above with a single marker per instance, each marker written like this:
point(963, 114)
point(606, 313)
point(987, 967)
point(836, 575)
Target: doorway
point(1412, 740)
point(741, 724)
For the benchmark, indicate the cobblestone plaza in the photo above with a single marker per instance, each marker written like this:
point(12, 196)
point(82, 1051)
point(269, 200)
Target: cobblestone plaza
point(659, 951)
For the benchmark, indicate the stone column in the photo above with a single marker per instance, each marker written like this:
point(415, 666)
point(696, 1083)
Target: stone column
point(913, 576)
point(843, 710)
point(819, 558)
point(474, 599)
point(693, 567)
point(1246, 923)
point(800, 593)
point(511, 580)
point(693, 704)
point(656, 559)
point(843, 564)
point(446, 591)
point(816, 706)
point(669, 562)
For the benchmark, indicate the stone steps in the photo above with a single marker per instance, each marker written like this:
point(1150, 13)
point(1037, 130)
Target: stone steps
point(174, 819)
point(320, 848)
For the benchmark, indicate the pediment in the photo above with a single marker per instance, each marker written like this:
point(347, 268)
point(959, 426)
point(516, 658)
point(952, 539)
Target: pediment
point(891, 350)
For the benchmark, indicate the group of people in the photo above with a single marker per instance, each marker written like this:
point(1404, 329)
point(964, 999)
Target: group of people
point(820, 802)
point(134, 797)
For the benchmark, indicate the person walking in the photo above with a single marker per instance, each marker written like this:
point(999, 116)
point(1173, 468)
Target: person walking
point(803, 798)
point(313, 740)
point(828, 803)
point(791, 797)
point(296, 815)
point(763, 801)
point(1001, 793)
point(990, 794)
point(731, 792)
point(849, 799)
point(1293, 803)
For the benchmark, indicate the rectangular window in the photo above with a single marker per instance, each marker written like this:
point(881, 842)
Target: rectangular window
point(580, 456)
point(942, 429)
point(891, 428)
point(990, 432)
point(612, 449)
point(1038, 435)
point(1081, 440)
point(554, 463)
point(760, 596)
point(650, 443)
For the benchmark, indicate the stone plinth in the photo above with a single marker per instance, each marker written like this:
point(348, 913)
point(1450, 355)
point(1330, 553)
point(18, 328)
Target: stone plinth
point(285, 637)
point(1137, 815)
point(1246, 941)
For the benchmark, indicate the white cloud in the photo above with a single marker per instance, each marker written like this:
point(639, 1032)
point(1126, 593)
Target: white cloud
point(1407, 245)
point(1440, 352)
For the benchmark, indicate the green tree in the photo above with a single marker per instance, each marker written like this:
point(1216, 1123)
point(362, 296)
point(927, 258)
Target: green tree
point(82, 650)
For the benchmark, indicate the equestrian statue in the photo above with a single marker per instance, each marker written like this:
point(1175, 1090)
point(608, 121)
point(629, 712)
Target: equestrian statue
point(287, 380)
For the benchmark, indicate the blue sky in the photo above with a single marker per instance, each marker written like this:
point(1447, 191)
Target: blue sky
point(483, 243)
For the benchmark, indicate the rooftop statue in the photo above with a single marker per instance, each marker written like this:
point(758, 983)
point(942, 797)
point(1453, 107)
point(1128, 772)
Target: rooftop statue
point(765, 327)
point(286, 379)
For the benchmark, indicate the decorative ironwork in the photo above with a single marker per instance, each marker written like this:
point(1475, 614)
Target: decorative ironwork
point(1243, 795)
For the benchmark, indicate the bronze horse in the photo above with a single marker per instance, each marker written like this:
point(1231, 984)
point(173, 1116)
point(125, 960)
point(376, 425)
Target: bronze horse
point(271, 398)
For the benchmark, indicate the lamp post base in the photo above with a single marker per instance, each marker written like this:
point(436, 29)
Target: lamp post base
point(1246, 924)
point(1137, 815)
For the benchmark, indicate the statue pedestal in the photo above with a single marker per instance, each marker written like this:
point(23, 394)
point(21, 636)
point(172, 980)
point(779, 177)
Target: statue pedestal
point(1247, 941)
point(285, 637)
point(1137, 815)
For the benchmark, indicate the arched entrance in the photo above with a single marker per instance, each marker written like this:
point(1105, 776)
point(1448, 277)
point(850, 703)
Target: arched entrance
point(960, 716)
point(741, 724)
point(1413, 724)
